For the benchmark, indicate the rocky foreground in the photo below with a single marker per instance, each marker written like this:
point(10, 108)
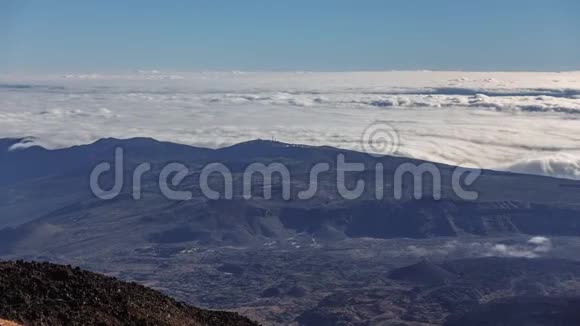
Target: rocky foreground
point(34, 293)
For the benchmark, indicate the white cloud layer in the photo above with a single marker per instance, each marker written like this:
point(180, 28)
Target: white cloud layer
point(535, 247)
point(524, 122)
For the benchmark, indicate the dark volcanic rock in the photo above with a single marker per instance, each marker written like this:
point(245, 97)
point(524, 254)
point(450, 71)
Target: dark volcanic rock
point(47, 294)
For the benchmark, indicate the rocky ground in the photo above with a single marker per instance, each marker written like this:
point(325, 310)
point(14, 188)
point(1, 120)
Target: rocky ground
point(47, 294)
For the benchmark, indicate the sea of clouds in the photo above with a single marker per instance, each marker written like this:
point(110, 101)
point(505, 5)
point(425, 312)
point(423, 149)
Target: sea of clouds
point(524, 122)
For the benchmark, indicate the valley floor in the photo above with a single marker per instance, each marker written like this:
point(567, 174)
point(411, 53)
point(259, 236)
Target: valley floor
point(299, 280)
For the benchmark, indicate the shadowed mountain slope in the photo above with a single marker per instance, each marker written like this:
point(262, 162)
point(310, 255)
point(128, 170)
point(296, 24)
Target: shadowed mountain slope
point(65, 212)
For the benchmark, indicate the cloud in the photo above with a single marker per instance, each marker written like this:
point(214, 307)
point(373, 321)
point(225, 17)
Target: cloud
point(533, 248)
point(559, 165)
point(23, 144)
point(491, 120)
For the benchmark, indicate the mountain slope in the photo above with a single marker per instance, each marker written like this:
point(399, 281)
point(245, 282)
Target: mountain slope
point(47, 294)
point(67, 216)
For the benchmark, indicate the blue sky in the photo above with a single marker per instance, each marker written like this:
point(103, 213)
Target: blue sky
point(110, 35)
